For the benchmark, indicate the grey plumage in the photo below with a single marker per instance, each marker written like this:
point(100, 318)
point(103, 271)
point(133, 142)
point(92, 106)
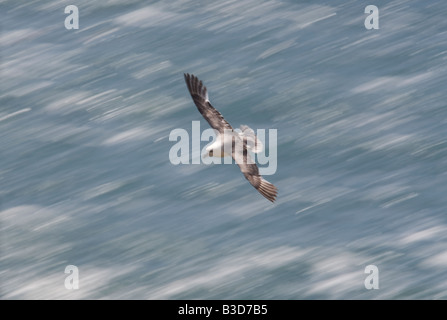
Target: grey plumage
point(199, 95)
point(215, 119)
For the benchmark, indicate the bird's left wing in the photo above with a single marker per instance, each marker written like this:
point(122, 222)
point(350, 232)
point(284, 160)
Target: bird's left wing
point(199, 95)
point(251, 173)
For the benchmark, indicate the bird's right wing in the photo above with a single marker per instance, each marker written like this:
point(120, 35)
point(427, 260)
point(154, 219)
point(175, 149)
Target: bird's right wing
point(199, 95)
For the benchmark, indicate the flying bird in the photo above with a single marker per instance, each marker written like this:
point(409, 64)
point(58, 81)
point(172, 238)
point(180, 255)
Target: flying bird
point(228, 142)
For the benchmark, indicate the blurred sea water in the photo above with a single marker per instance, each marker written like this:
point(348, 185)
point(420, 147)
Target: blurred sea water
point(85, 176)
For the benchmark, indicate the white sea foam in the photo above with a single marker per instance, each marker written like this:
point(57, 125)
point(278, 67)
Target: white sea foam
point(13, 114)
point(232, 268)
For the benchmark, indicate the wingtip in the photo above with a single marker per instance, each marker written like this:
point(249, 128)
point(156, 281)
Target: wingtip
point(196, 86)
point(268, 190)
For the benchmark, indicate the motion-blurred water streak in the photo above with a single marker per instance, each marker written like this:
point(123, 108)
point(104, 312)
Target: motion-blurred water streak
point(85, 177)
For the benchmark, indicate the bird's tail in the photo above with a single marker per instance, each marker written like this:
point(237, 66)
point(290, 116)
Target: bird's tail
point(253, 143)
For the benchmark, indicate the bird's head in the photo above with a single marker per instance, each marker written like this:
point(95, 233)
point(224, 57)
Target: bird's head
point(208, 153)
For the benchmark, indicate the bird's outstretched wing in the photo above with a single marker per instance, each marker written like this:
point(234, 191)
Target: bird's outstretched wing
point(251, 173)
point(200, 96)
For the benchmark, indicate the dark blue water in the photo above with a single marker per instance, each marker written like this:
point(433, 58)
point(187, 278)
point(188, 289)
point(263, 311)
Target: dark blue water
point(85, 176)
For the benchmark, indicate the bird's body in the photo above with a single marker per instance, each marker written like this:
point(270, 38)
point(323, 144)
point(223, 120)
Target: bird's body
point(229, 142)
point(222, 143)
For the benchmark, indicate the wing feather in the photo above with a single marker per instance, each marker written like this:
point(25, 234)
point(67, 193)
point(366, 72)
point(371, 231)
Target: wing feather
point(251, 173)
point(199, 95)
